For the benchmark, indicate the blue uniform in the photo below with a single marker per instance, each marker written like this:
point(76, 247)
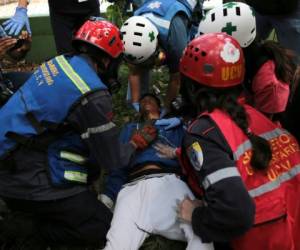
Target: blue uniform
point(35, 104)
point(161, 13)
point(64, 91)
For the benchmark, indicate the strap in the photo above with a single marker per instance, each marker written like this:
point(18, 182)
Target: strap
point(35, 123)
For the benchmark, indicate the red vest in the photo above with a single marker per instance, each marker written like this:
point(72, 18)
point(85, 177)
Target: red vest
point(276, 192)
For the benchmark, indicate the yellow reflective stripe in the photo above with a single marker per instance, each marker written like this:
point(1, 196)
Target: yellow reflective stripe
point(74, 77)
point(75, 176)
point(76, 158)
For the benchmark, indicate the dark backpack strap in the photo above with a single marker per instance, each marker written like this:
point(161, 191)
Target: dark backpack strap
point(39, 128)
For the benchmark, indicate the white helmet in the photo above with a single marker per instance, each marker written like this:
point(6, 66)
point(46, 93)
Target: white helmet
point(140, 38)
point(236, 19)
point(210, 4)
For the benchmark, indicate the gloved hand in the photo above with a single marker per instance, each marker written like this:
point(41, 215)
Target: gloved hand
point(165, 151)
point(169, 122)
point(16, 23)
point(141, 138)
point(163, 112)
point(136, 106)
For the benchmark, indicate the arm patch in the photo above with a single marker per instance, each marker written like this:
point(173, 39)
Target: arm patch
point(195, 155)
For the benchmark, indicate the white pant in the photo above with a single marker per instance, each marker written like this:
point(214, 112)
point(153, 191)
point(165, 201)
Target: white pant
point(149, 207)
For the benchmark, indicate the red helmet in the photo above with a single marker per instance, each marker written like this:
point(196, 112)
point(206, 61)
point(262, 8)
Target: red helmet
point(215, 60)
point(101, 34)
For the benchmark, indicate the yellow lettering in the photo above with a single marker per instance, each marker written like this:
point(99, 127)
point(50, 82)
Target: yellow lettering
point(46, 74)
point(289, 150)
point(225, 73)
point(275, 156)
point(282, 155)
point(247, 157)
point(295, 146)
point(273, 143)
point(286, 166)
point(231, 73)
point(249, 170)
point(53, 68)
point(272, 174)
point(284, 138)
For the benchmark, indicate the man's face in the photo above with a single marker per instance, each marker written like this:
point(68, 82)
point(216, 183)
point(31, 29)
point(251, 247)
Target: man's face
point(148, 106)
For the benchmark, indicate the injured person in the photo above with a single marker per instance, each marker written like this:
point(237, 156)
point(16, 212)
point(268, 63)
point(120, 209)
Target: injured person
point(149, 189)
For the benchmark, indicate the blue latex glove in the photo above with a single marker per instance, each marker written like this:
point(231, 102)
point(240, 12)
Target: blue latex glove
point(163, 112)
point(15, 24)
point(136, 106)
point(169, 123)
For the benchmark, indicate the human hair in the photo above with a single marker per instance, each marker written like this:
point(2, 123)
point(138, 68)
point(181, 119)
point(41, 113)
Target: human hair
point(285, 66)
point(157, 100)
point(226, 99)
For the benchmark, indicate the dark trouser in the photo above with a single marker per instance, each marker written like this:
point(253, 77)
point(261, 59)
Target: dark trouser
point(65, 24)
point(77, 220)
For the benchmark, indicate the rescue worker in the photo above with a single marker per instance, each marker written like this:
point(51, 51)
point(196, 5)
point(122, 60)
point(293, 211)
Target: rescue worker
point(269, 67)
point(150, 187)
point(56, 134)
point(243, 167)
point(281, 16)
point(156, 35)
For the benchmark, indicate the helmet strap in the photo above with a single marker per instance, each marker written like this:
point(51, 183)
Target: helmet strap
point(109, 74)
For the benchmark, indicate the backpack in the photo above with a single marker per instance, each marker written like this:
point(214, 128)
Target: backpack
point(273, 7)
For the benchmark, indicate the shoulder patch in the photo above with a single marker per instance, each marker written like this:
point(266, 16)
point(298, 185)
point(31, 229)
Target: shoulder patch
point(195, 155)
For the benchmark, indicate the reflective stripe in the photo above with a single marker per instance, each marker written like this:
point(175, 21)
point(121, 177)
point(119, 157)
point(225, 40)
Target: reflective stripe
point(75, 176)
point(270, 186)
point(219, 175)
point(192, 3)
point(74, 77)
point(247, 144)
point(76, 158)
point(96, 130)
point(157, 20)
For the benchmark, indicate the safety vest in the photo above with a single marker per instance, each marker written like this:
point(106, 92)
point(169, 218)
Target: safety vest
point(44, 102)
point(275, 191)
point(161, 12)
